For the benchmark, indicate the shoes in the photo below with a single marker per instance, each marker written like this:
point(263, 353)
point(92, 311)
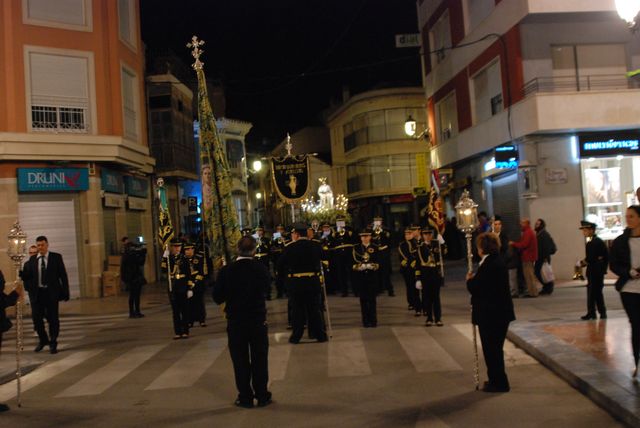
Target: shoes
point(244, 404)
point(289, 327)
point(294, 341)
point(603, 316)
point(439, 323)
point(139, 315)
point(184, 336)
point(424, 313)
point(588, 317)
point(410, 308)
point(429, 323)
point(53, 348)
point(489, 387)
point(324, 339)
point(40, 346)
point(203, 324)
point(176, 337)
point(3, 408)
point(262, 402)
point(366, 325)
point(418, 313)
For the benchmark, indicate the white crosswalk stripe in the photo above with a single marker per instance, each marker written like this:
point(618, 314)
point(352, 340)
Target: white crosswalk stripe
point(188, 369)
point(107, 376)
point(513, 356)
point(425, 353)
point(278, 361)
point(48, 371)
point(347, 354)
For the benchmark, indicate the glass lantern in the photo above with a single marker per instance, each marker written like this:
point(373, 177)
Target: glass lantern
point(17, 243)
point(467, 213)
point(410, 127)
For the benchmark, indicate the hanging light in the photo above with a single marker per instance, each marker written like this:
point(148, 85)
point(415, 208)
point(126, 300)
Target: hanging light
point(628, 10)
point(410, 126)
point(257, 165)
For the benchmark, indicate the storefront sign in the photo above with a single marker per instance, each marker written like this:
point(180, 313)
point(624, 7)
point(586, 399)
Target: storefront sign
point(135, 186)
point(396, 199)
point(137, 203)
point(53, 179)
point(506, 157)
point(112, 181)
point(595, 145)
point(113, 200)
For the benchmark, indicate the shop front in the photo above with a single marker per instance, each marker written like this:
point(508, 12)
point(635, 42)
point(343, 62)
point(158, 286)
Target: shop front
point(610, 172)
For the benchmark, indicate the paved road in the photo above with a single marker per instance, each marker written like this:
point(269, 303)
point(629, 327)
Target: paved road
point(113, 371)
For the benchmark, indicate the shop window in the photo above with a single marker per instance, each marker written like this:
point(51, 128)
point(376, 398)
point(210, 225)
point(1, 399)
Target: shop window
point(59, 86)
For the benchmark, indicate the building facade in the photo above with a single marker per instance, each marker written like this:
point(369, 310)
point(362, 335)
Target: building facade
point(74, 160)
point(544, 82)
point(374, 163)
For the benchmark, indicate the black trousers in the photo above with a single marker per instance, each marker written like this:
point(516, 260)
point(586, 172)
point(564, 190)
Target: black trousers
point(410, 285)
point(431, 284)
point(492, 336)
point(631, 304)
point(595, 298)
point(45, 307)
point(197, 311)
point(341, 268)
point(180, 311)
point(547, 287)
point(384, 273)
point(367, 283)
point(135, 289)
point(306, 304)
point(249, 349)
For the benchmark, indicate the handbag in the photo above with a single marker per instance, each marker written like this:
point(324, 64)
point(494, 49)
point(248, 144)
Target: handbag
point(546, 272)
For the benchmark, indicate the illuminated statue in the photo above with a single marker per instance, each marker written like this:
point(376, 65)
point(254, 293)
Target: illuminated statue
point(325, 194)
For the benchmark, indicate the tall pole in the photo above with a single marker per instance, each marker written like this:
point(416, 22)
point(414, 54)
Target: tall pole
point(19, 334)
point(476, 366)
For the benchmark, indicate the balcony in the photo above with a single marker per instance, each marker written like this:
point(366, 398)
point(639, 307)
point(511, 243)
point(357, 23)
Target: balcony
point(597, 82)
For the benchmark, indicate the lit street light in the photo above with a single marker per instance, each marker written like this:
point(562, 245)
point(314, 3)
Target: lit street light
point(410, 127)
point(258, 195)
point(628, 10)
point(257, 165)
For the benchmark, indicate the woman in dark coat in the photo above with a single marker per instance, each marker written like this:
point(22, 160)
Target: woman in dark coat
point(492, 309)
point(624, 261)
point(6, 300)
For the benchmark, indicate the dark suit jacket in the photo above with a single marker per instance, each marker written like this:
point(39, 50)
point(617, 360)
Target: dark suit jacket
point(241, 286)
point(56, 277)
point(490, 294)
point(301, 256)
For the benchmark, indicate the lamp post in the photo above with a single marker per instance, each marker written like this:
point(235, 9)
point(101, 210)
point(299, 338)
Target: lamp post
point(467, 216)
point(16, 250)
point(628, 10)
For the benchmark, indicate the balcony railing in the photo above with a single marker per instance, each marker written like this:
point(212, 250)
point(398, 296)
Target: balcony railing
point(596, 82)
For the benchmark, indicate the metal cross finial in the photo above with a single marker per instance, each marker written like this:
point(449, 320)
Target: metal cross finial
point(288, 145)
point(194, 45)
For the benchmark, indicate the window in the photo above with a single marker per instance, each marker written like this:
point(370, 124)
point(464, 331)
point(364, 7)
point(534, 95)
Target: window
point(447, 117)
point(127, 22)
point(67, 14)
point(382, 172)
point(440, 39)
point(130, 103)
point(587, 67)
point(59, 86)
point(477, 11)
point(487, 90)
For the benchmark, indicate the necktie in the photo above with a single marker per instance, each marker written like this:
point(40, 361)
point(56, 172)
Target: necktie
point(43, 272)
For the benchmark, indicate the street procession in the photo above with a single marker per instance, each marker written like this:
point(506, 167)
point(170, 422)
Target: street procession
point(315, 214)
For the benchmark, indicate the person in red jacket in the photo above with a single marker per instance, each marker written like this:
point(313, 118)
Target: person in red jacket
point(528, 247)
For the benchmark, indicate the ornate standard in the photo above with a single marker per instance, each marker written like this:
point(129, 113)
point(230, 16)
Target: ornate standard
point(467, 216)
point(16, 250)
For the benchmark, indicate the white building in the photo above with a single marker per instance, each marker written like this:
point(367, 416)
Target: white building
point(553, 86)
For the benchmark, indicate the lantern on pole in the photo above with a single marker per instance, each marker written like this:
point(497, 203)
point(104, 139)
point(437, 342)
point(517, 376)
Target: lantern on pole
point(467, 216)
point(17, 251)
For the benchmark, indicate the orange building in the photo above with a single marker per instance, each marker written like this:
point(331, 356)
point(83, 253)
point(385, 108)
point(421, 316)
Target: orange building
point(74, 156)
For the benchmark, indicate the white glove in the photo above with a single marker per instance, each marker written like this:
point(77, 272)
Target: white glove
point(419, 285)
point(189, 294)
point(361, 267)
point(166, 253)
point(440, 239)
point(368, 266)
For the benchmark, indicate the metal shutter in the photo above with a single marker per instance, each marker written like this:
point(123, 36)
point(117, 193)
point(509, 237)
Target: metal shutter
point(57, 221)
point(111, 241)
point(505, 203)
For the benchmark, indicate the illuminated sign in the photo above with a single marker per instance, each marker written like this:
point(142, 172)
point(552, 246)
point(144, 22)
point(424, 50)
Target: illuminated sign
point(506, 157)
point(595, 145)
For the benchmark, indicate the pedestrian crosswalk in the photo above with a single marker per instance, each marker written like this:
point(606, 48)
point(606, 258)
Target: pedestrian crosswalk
point(183, 363)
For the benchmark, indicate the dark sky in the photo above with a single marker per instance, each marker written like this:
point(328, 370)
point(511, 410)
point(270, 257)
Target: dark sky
point(258, 50)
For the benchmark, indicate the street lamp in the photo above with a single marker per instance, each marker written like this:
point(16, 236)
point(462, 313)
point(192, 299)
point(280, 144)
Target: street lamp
point(257, 165)
point(628, 10)
point(467, 216)
point(17, 250)
point(411, 128)
point(258, 195)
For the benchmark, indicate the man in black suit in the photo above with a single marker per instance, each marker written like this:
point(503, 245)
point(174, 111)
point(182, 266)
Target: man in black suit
point(48, 284)
point(241, 287)
point(301, 263)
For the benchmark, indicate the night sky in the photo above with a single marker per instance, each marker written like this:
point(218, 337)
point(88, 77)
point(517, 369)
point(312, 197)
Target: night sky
point(259, 49)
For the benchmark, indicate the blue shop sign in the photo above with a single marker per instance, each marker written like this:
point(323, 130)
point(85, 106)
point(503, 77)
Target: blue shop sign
point(595, 145)
point(134, 186)
point(53, 179)
point(506, 157)
point(112, 181)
